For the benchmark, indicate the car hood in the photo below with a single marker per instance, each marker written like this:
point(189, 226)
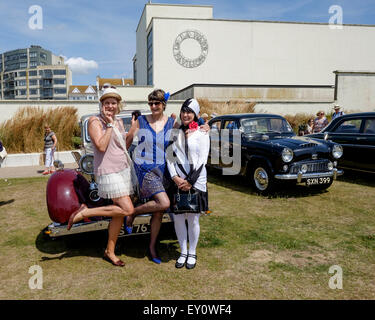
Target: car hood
point(296, 142)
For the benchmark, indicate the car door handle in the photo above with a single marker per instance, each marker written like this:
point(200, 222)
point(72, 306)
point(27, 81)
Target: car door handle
point(359, 138)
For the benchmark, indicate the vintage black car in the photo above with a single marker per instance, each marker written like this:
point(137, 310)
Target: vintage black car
point(356, 133)
point(270, 152)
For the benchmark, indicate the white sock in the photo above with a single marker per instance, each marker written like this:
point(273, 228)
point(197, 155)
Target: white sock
point(181, 232)
point(194, 230)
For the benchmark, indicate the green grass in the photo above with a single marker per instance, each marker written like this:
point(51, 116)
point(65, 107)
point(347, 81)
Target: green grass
point(250, 247)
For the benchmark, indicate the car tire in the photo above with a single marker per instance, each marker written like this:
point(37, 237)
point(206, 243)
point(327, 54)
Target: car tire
point(262, 178)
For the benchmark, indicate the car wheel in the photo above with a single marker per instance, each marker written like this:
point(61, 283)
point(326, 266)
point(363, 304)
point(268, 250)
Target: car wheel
point(262, 179)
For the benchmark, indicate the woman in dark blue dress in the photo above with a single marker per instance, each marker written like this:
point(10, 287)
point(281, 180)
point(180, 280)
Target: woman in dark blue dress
point(150, 163)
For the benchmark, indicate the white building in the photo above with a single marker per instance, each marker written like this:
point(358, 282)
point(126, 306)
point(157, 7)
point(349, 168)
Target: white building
point(182, 45)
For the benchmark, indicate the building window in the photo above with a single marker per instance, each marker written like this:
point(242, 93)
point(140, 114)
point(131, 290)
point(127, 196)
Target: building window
point(22, 74)
point(22, 83)
point(60, 90)
point(59, 72)
point(33, 64)
point(23, 56)
point(21, 92)
point(43, 56)
point(33, 82)
point(23, 65)
point(32, 73)
point(149, 58)
point(33, 91)
point(59, 81)
point(33, 54)
point(135, 71)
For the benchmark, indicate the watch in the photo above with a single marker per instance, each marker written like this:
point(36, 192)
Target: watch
point(109, 125)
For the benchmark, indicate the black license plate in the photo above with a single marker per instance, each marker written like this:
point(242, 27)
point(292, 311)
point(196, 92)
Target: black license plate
point(137, 229)
point(317, 181)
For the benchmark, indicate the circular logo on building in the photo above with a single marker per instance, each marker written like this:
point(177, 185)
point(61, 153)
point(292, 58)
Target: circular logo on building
point(190, 48)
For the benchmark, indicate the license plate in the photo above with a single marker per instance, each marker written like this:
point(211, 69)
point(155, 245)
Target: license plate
point(137, 229)
point(315, 181)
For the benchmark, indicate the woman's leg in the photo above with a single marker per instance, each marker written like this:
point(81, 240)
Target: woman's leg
point(52, 159)
point(47, 160)
point(181, 232)
point(126, 205)
point(160, 202)
point(194, 230)
point(155, 228)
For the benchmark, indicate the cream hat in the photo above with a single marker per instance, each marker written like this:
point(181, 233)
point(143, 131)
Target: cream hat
point(110, 93)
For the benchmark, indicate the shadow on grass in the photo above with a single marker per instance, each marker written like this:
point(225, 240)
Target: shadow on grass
point(243, 185)
point(93, 244)
point(358, 177)
point(4, 203)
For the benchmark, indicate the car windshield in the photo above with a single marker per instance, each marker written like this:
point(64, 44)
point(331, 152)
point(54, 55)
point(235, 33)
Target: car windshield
point(265, 125)
point(126, 121)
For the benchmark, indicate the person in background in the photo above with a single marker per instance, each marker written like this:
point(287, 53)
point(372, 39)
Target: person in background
point(50, 142)
point(3, 153)
point(203, 119)
point(320, 122)
point(189, 174)
point(337, 112)
point(309, 126)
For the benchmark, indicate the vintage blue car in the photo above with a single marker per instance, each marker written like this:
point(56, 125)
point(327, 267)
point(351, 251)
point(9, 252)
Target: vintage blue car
point(271, 153)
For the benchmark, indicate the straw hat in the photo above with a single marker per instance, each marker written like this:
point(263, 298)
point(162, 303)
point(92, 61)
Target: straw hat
point(110, 93)
point(336, 107)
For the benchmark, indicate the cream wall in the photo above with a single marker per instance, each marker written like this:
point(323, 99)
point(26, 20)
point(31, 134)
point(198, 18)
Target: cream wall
point(271, 53)
point(161, 10)
point(9, 107)
point(356, 90)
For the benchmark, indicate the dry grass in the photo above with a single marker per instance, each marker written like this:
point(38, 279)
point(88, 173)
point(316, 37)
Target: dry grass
point(221, 108)
point(24, 132)
point(251, 247)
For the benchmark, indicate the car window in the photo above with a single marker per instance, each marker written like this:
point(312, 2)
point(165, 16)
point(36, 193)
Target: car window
point(265, 125)
point(230, 124)
point(215, 126)
point(349, 126)
point(369, 126)
point(126, 121)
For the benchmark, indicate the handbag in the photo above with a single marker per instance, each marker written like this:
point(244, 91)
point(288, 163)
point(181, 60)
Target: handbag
point(185, 202)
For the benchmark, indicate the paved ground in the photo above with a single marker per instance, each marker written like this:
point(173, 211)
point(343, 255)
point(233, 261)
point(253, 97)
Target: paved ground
point(24, 172)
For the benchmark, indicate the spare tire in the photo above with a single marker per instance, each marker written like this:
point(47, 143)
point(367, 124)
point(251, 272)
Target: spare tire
point(62, 198)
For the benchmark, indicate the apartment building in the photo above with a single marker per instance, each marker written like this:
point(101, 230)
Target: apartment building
point(33, 74)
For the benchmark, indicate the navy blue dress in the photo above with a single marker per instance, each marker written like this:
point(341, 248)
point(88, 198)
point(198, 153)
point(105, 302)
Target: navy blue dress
point(149, 157)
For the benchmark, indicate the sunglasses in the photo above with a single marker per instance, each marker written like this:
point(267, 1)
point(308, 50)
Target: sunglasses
point(112, 87)
point(156, 103)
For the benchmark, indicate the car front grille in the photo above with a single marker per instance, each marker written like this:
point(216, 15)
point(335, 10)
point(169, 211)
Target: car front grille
point(308, 145)
point(312, 166)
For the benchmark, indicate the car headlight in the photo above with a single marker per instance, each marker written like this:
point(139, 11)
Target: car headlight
point(86, 164)
point(337, 151)
point(287, 155)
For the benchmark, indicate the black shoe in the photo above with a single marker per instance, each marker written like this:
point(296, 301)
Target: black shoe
point(191, 266)
point(180, 265)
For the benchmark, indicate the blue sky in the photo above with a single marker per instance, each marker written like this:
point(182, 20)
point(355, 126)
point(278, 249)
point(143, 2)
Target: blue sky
point(98, 37)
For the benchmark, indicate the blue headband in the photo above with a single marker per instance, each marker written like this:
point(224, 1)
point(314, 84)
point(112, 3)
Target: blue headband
point(166, 96)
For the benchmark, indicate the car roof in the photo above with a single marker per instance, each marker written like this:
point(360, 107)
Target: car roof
point(123, 113)
point(248, 115)
point(358, 114)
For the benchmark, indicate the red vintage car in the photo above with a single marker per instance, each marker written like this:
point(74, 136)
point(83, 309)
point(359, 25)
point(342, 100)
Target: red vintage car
point(67, 189)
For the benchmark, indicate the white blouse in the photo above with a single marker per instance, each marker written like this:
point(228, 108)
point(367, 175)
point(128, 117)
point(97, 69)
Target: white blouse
point(199, 146)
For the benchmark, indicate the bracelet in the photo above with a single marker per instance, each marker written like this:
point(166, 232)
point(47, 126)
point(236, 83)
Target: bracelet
point(109, 125)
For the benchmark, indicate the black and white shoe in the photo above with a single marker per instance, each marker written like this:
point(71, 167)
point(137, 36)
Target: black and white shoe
point(179, 265)
point(191, 266)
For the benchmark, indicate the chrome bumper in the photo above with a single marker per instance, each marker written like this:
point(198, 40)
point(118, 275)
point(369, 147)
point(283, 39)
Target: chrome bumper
point(55, 230)
point(299, 176)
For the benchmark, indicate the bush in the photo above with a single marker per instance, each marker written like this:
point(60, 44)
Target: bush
point(229, 107)
point(24, 132)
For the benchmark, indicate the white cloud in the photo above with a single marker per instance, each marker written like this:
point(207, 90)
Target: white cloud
point(80, 65)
